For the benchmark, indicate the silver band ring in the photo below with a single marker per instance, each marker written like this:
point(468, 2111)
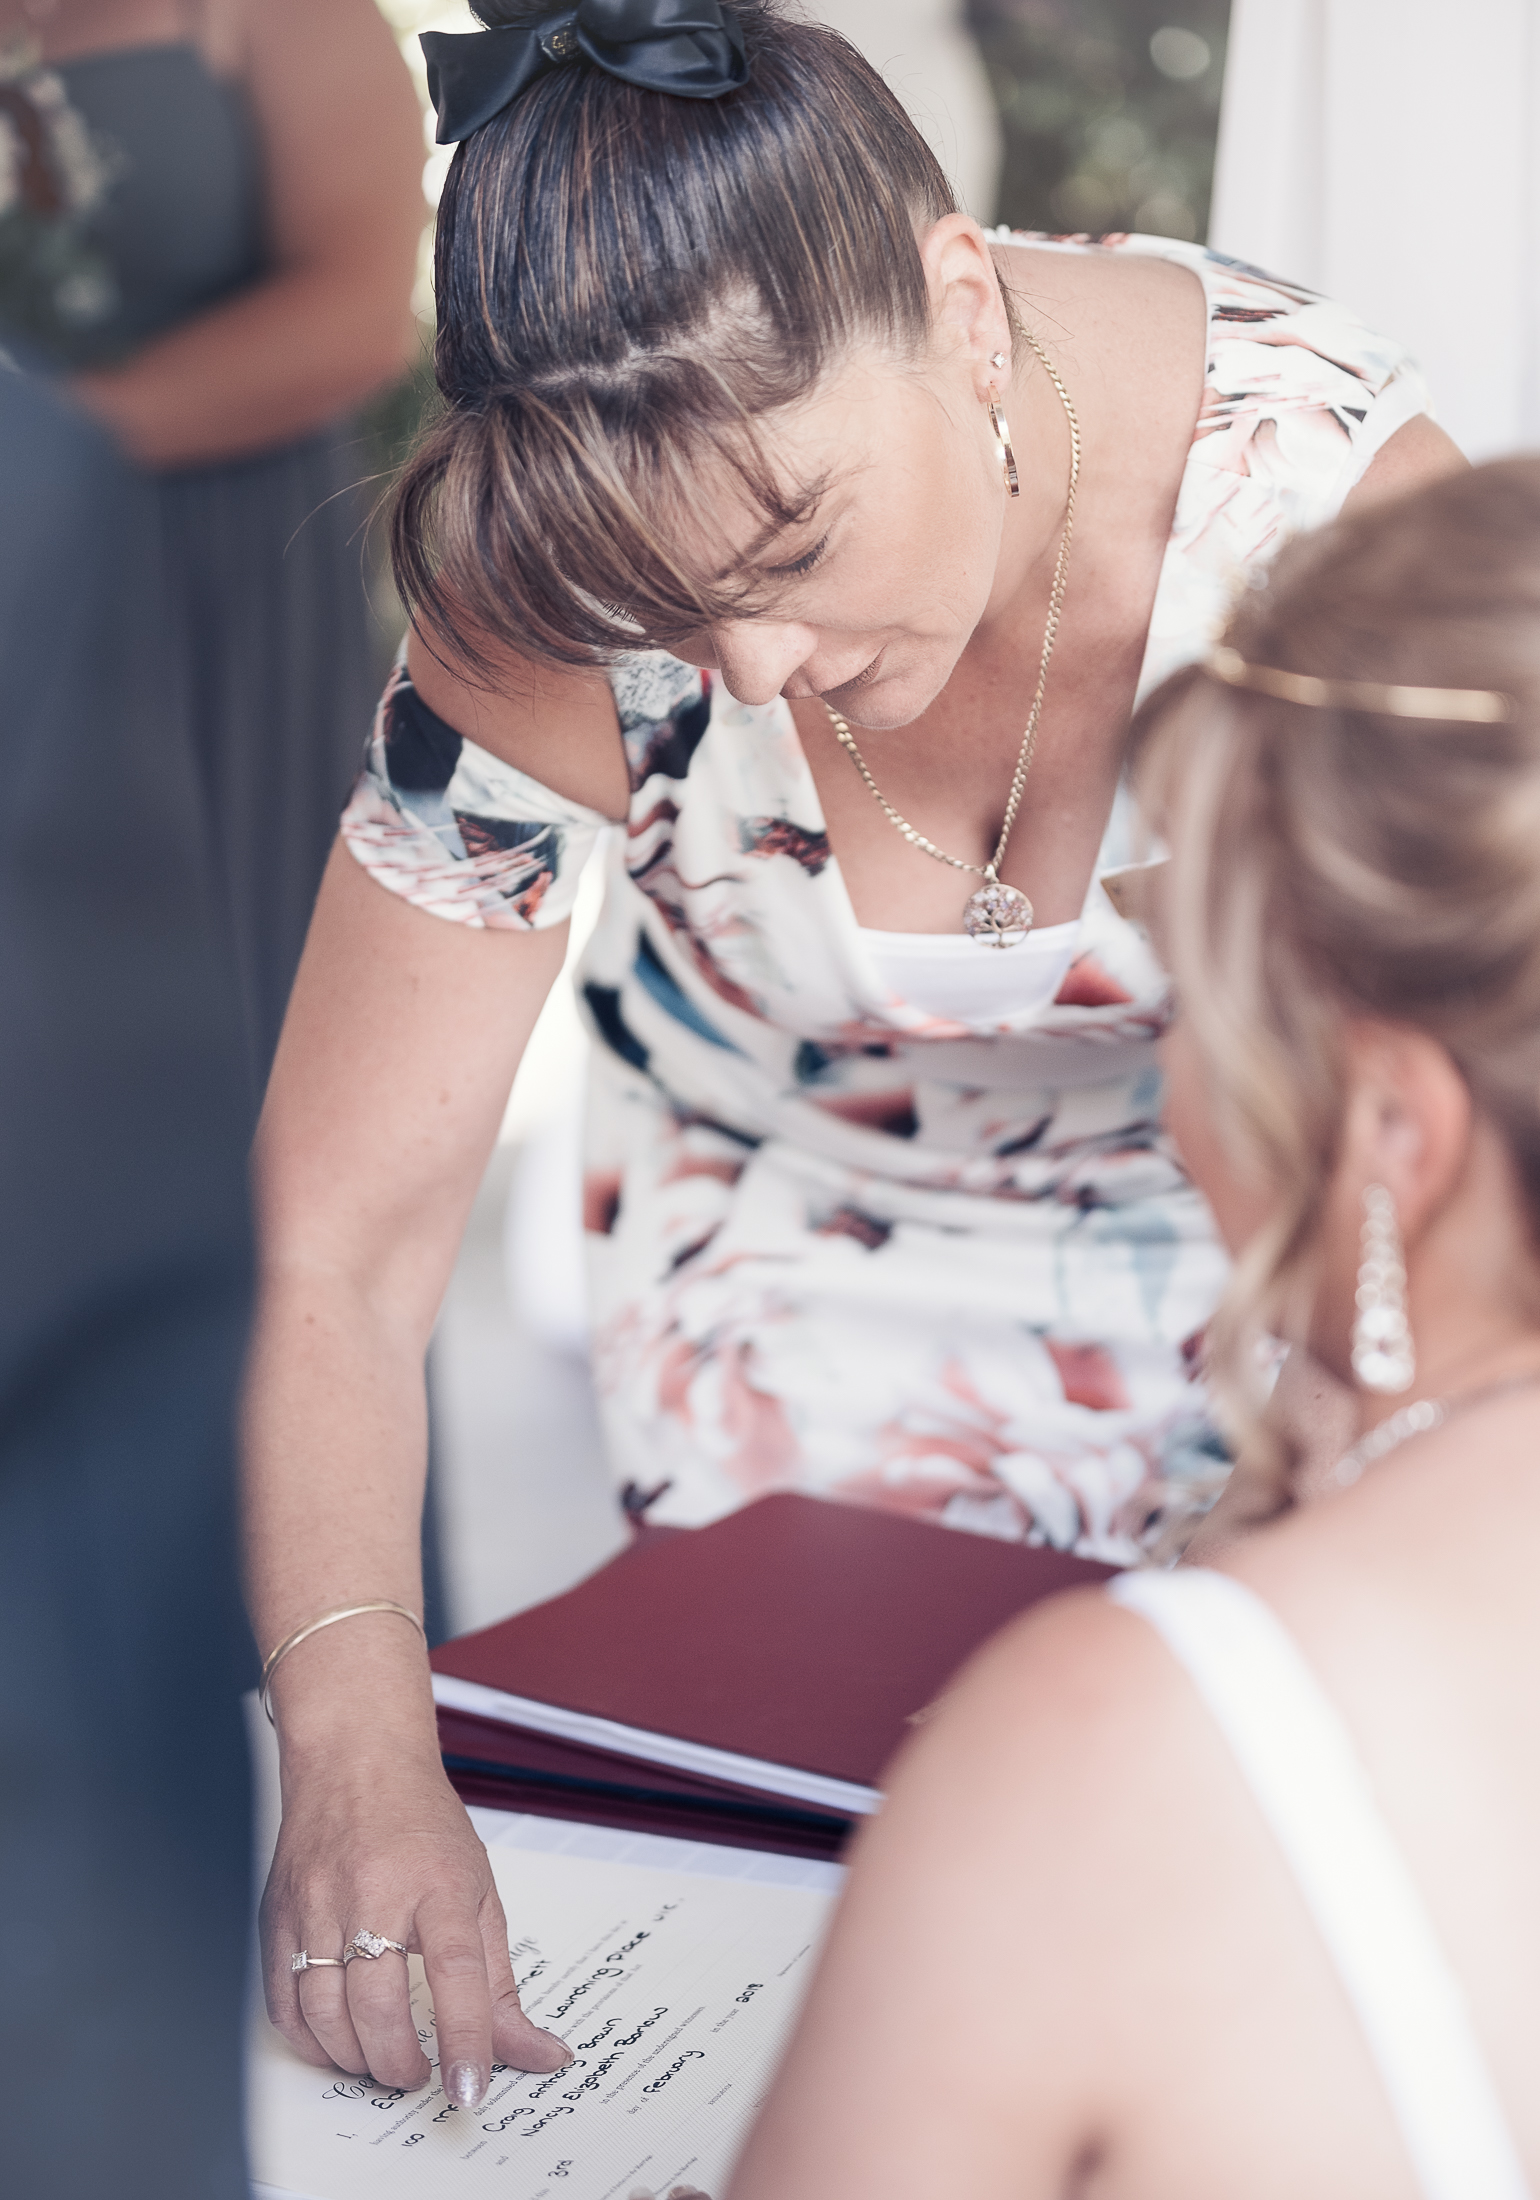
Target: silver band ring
point(372, 1945)
point(305, 1961)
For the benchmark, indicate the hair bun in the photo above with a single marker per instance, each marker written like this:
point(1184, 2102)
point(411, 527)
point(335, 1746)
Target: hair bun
point(690, 49)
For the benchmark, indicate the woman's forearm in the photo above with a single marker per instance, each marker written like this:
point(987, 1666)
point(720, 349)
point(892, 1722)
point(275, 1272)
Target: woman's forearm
point(273, 364)
point(336, 1453)
point(398, 1052)
point(373, 1836)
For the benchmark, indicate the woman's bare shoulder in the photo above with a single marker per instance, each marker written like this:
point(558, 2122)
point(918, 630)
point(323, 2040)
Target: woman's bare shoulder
point(1034, 1867)
point(1105, 289)
point(1055, 1752)
point(1130, 330)
point(1419, 451)
point(1076, 1677)
point(556, 723)
point(239, 26)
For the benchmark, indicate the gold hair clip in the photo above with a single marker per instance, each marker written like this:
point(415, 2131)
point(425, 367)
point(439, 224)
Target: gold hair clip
point(1472, 706)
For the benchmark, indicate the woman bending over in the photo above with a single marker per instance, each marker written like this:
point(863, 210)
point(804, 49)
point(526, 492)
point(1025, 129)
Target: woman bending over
point(820, 544)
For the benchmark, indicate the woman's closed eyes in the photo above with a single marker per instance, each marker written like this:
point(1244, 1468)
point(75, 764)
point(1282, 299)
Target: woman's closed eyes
point(799, 566)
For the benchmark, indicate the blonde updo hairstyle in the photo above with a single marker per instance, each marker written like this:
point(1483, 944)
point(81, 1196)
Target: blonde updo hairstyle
point(1331, 864)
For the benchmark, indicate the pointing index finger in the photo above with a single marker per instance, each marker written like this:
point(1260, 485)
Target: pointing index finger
point(516, 2039)
point(455, 1960)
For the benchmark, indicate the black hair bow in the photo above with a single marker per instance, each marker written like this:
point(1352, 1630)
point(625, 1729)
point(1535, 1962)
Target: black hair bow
point(691, 48)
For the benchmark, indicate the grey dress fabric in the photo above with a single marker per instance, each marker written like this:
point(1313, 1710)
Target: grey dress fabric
point(271, 625)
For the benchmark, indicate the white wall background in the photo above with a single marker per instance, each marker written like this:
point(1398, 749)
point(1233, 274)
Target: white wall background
point(932, 63)
point(1385, 152)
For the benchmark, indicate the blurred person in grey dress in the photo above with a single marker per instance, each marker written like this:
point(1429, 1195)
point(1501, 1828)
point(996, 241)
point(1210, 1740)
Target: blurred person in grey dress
point(209, 222)
point(124, 1282)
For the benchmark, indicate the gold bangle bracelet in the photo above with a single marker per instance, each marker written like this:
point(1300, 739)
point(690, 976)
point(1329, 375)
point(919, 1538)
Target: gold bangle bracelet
point(313, 1627)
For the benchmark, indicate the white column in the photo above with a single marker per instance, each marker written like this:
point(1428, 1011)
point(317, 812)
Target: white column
point(1384, 152)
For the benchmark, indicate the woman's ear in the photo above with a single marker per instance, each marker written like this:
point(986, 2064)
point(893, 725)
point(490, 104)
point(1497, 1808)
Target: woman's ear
point(1408, 1123)
point(966, 308)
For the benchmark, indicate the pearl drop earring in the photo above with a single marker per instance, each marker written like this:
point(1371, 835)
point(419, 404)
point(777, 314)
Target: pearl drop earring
point(1384, 1358)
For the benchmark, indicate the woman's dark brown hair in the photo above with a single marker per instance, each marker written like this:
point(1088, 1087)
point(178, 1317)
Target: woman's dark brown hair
point(1332, 864)
point(628, 283)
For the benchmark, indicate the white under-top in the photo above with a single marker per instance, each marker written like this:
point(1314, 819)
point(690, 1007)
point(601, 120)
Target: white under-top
point(1294, 1750)
point(952, 974)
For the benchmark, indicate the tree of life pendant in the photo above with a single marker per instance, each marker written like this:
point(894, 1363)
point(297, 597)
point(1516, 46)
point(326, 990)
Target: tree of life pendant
point(998, 914)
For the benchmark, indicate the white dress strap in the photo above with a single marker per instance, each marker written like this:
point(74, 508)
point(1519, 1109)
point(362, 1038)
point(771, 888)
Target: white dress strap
point(1291, 1744)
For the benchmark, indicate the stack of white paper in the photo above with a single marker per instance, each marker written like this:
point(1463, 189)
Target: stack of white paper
point(672, 1969)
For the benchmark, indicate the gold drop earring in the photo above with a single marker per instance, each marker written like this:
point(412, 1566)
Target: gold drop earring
point(1002, 428)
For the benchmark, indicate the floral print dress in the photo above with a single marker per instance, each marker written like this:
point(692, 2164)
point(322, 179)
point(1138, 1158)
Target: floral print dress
point(838, 1244)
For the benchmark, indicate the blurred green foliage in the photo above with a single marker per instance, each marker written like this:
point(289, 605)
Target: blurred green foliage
point(1110, 110)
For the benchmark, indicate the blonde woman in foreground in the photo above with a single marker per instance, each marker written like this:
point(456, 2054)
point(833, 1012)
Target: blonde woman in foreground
point(1222, 1887)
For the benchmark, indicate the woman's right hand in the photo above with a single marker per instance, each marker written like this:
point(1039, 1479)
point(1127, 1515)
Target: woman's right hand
point(374, 1839)
point(388, 1848)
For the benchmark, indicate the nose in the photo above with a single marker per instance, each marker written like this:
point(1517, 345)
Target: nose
point(756, 657)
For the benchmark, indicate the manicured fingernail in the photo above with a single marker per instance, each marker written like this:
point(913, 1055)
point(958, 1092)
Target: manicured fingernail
point(466, 2084)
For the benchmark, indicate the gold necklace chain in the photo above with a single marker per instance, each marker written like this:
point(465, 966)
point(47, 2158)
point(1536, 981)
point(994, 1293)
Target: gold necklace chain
point(990, 871)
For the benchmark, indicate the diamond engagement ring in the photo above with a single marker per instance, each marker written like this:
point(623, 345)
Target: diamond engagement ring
point(372, 1945)
point(305, 1961)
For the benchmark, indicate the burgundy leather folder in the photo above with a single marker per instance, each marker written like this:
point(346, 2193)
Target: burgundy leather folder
point(796, 1631)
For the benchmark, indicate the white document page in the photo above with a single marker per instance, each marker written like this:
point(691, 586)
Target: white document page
point(673, 1969)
